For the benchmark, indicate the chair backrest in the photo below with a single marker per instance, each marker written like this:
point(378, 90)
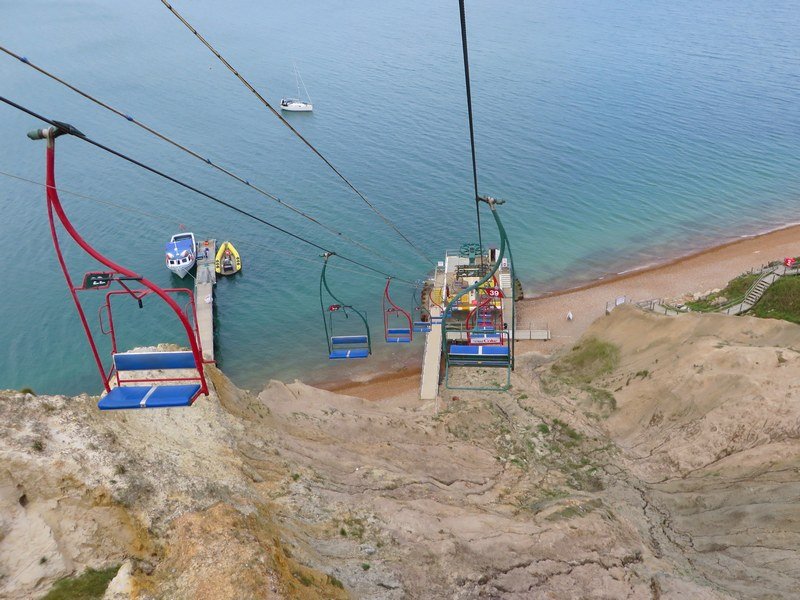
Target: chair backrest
point(153, 361)
point(339, 340)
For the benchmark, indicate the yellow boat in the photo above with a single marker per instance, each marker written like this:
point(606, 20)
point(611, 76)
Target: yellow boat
point(227, 261)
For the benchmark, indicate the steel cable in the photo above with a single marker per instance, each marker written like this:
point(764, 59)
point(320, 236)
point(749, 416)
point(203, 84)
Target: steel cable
point(300, 136)
point(193, 153)
point(183, 184)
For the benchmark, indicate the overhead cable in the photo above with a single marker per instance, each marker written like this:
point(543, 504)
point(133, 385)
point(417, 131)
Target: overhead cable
point(300, 136)
point(162, 217)
point(471, 126)
point(72, 131)
point(191, 152)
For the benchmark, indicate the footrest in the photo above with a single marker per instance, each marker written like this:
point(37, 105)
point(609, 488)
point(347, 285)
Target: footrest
point(159, 396)
point(398, 340)
point(354, 353)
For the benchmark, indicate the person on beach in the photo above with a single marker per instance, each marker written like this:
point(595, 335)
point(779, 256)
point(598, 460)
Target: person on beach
point(569, 316)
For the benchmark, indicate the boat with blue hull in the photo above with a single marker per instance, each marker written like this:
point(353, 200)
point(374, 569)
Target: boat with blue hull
point(181, 253)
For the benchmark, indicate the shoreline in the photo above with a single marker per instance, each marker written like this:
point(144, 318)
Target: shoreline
point(679, 277)
point(698, 271)
point(612, 277)
point(379, 387)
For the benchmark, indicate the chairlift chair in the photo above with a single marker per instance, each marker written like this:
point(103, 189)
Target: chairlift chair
point(397, 326)
point(133, 380)
point(357, 343)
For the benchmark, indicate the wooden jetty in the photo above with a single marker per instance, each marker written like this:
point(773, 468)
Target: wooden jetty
point(432, 357)
point(205, 279)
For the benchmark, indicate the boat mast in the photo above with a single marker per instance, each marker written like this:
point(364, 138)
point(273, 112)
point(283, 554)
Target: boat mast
point(299, 80)
point(305, 88)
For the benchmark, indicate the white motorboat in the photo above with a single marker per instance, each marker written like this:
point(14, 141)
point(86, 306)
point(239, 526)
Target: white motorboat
point(181, 253)
point(297, 104)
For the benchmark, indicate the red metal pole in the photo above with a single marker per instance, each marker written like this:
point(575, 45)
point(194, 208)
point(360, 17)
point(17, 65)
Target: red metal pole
point(54, 203)
point(70, 285)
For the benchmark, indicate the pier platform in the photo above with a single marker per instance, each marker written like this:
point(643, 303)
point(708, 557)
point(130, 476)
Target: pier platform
point(451, 274)
point(205, 279)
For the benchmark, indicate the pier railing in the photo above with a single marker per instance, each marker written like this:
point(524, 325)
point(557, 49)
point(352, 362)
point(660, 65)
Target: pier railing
point(660, 306)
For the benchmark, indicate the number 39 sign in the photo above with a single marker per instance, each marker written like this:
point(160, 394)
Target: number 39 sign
point(494, 292)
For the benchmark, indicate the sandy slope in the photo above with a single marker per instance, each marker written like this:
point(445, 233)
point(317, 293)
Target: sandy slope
point(686, 490)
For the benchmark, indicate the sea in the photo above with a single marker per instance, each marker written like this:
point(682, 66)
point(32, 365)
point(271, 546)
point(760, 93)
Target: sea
point(620, 134)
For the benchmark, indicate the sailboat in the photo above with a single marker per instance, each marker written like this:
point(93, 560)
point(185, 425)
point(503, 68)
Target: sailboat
point(296, 104)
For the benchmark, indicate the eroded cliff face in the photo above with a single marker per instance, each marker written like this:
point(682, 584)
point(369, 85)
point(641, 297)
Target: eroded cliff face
point(669, 471)
point(165, 494)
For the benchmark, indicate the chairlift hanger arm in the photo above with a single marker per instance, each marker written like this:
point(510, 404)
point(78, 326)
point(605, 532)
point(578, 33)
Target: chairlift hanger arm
point(495, 265)
point(326, 315)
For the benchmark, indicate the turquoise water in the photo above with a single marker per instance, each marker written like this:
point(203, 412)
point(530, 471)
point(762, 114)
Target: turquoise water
point(620, 133)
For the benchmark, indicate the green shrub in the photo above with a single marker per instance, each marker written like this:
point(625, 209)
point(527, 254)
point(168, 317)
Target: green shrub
point(781, 300)
point(91, 585)
point(603, 399)
point(587, 361)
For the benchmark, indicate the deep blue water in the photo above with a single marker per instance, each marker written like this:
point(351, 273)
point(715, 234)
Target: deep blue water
point(619, 132)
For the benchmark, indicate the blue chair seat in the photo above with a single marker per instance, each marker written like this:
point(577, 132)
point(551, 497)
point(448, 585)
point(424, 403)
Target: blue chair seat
point(353, 353)
point(403, 331)
point(159, 396)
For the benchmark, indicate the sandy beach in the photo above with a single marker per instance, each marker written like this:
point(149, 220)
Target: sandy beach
point(698, 272)
point(381, 386)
